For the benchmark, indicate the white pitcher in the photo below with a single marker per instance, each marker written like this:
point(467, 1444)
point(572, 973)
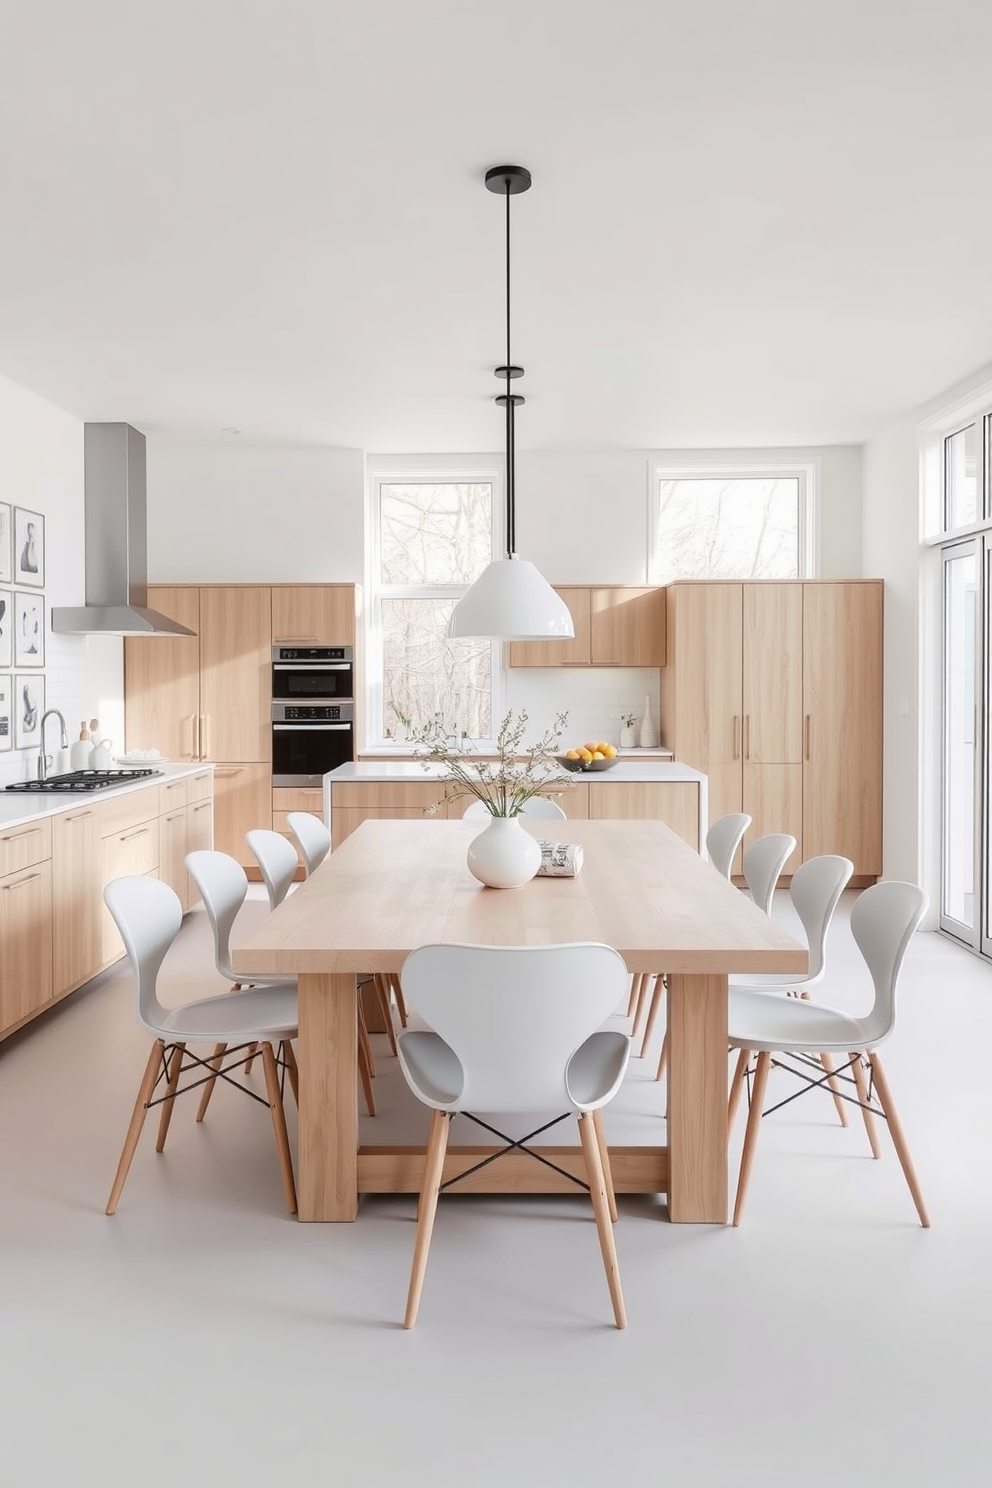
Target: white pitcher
point(101, 757)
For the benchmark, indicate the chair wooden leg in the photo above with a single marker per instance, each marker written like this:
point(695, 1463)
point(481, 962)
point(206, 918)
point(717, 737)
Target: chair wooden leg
point(292, 1069)
point(869, 1119)
point(366, 1070)
point(898, 1137)
point(382, 995)
point(751, 1134)
point(737, 1088)
point(145, 1090)
point(601, 1208)
point(175, 1066)
point(604, 1157)
point(657, 998)
point(397, 990)
point(252, 1051)
point(635, 988)
point(215, 1061)
point(642, 1007)
point(834, 1088)
point(279, 1124)
point(437, 1143)
point(662, 1058)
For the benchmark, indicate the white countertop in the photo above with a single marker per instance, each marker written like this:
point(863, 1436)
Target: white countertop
point(16, 809)
point(409, 771)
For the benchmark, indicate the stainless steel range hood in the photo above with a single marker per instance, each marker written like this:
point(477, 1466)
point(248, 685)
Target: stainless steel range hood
point(116, 541)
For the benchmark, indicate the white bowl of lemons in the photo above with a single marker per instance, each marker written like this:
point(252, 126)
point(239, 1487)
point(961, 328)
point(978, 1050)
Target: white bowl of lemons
point(590, 757)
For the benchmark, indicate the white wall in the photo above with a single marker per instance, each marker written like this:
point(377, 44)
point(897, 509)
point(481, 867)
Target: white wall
point(891, 549)
point(237, 513)
point(41, 468)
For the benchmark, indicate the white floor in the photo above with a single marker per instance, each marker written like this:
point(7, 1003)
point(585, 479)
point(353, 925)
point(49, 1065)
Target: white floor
point(201, 1337)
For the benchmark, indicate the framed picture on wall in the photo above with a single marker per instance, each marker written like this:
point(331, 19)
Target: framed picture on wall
point(29, 706)
point(29, 548)
point(6, 711)
point(6, 543)
point(6, 629)
point(29, 629)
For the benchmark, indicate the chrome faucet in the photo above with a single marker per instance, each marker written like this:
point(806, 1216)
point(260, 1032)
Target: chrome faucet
point(44, 760)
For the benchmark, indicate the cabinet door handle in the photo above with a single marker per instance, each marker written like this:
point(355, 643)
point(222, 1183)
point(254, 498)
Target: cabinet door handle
point(281, 639)
point(806, 736)
point(176, 816)
point(747, 736)
point(78, 816)
point(138, 832)
point(232, 770)
point(16, 836)
point(202, 806)
point(8, 888)
point(737, 736)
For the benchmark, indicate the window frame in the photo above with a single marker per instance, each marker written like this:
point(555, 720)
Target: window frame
point(806, 472)
point(419, 470)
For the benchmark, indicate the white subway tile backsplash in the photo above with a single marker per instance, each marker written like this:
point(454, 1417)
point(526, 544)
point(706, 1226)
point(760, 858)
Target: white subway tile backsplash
point(593, 697)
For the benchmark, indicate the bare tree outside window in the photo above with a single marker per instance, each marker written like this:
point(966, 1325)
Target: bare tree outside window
point(744, 527)
point(435, 538)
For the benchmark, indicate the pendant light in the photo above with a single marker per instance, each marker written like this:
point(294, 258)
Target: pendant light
point(510, 600)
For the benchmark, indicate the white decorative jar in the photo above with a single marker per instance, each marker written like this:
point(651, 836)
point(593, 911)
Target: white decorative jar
point(628, 737)
point(504, 856)
point(649, 731)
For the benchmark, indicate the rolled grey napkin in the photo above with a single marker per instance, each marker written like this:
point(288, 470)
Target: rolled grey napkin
point(560, 859)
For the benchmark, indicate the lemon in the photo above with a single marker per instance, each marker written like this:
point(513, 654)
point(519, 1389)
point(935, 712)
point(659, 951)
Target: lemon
point(596, 755)
point(573, 754)
point(584, 753)
point(603, 748)
point(610, 751)
point(591, 747)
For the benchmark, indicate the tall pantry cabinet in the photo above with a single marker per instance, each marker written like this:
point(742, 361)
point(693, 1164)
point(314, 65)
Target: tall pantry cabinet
point(774, 690)
point(206, 697)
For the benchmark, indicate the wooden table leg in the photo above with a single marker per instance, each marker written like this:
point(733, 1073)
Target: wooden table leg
point(327, 1159)
point(697, 1099)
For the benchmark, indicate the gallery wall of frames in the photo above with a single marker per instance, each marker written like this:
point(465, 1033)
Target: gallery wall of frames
point(23, 626)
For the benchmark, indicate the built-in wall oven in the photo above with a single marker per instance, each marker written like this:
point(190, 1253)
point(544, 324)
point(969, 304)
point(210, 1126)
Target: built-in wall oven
point(313, 713)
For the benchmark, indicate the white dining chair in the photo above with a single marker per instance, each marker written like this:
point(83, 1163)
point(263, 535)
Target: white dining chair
point(536, 806)
point(883, 921)
point(762, 863)
point(148, 915)
point(223, 886)
point(515, 1030)
point(313, 838)
point(277, 861)
point(724, 838)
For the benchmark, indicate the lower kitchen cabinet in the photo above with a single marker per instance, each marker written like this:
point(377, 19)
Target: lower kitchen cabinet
point(242, 801)
point(358, 801)
point(25, 943)
point(77, 890)
point(675, 802)
point(172, 850)
point(199, 825)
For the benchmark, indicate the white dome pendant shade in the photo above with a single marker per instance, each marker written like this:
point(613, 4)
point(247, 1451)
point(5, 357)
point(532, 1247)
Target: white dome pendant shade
point(510, 600)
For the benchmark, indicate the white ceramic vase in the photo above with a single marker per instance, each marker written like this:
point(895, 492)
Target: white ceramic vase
point(504, 856)
point(628, 737)
point(649, 732)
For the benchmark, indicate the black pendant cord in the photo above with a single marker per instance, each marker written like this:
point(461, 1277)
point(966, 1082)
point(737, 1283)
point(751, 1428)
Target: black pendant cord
point(511, 535)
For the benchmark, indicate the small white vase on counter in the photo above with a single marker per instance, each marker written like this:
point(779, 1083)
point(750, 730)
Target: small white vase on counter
point(504, 856)
point(649, 732)
point(628, 737)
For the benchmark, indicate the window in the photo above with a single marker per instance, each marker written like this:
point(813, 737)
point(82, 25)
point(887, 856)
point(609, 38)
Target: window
point(729, 525)
point(430, 538)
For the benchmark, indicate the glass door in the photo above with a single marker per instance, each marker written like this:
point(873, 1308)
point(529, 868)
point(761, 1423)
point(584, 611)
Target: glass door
point(961, 824)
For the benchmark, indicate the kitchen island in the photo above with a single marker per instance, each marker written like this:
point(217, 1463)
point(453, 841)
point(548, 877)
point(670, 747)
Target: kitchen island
point(642, 790)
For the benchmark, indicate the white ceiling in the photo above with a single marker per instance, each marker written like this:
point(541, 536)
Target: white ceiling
point(752, 221)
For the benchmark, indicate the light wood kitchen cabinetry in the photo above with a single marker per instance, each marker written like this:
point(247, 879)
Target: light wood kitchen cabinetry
point(314, 614)
point(199, 823)
point(842, 722)
point(172, 838)
point(749, 665)
point(25, 925)
point(675, 802)
point(77, 889)
point(242, 801)
point(356, 801)
point(236, 673)
point(620, 627)
point(162, 680)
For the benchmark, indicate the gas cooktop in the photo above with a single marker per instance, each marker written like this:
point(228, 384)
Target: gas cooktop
point(80, 780)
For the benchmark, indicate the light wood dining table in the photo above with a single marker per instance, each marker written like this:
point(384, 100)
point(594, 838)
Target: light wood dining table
point(395, 885)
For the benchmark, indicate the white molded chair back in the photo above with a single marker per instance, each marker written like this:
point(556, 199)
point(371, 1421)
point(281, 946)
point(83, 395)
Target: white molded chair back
point(762, 865)
point(537, 806)
point(223, 884)
point(515, 1028)
point(724, 838)
point(313, 837)
point(883, 922)
point(148, 915)
point(816, 888)
point(276, 857)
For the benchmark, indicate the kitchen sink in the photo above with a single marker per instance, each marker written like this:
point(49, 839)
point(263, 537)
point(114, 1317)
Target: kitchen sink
point(80, 781)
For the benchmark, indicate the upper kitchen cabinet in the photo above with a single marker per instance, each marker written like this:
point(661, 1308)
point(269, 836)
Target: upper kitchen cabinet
point(162, 680)
point(621, 627)
point(314, 614)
